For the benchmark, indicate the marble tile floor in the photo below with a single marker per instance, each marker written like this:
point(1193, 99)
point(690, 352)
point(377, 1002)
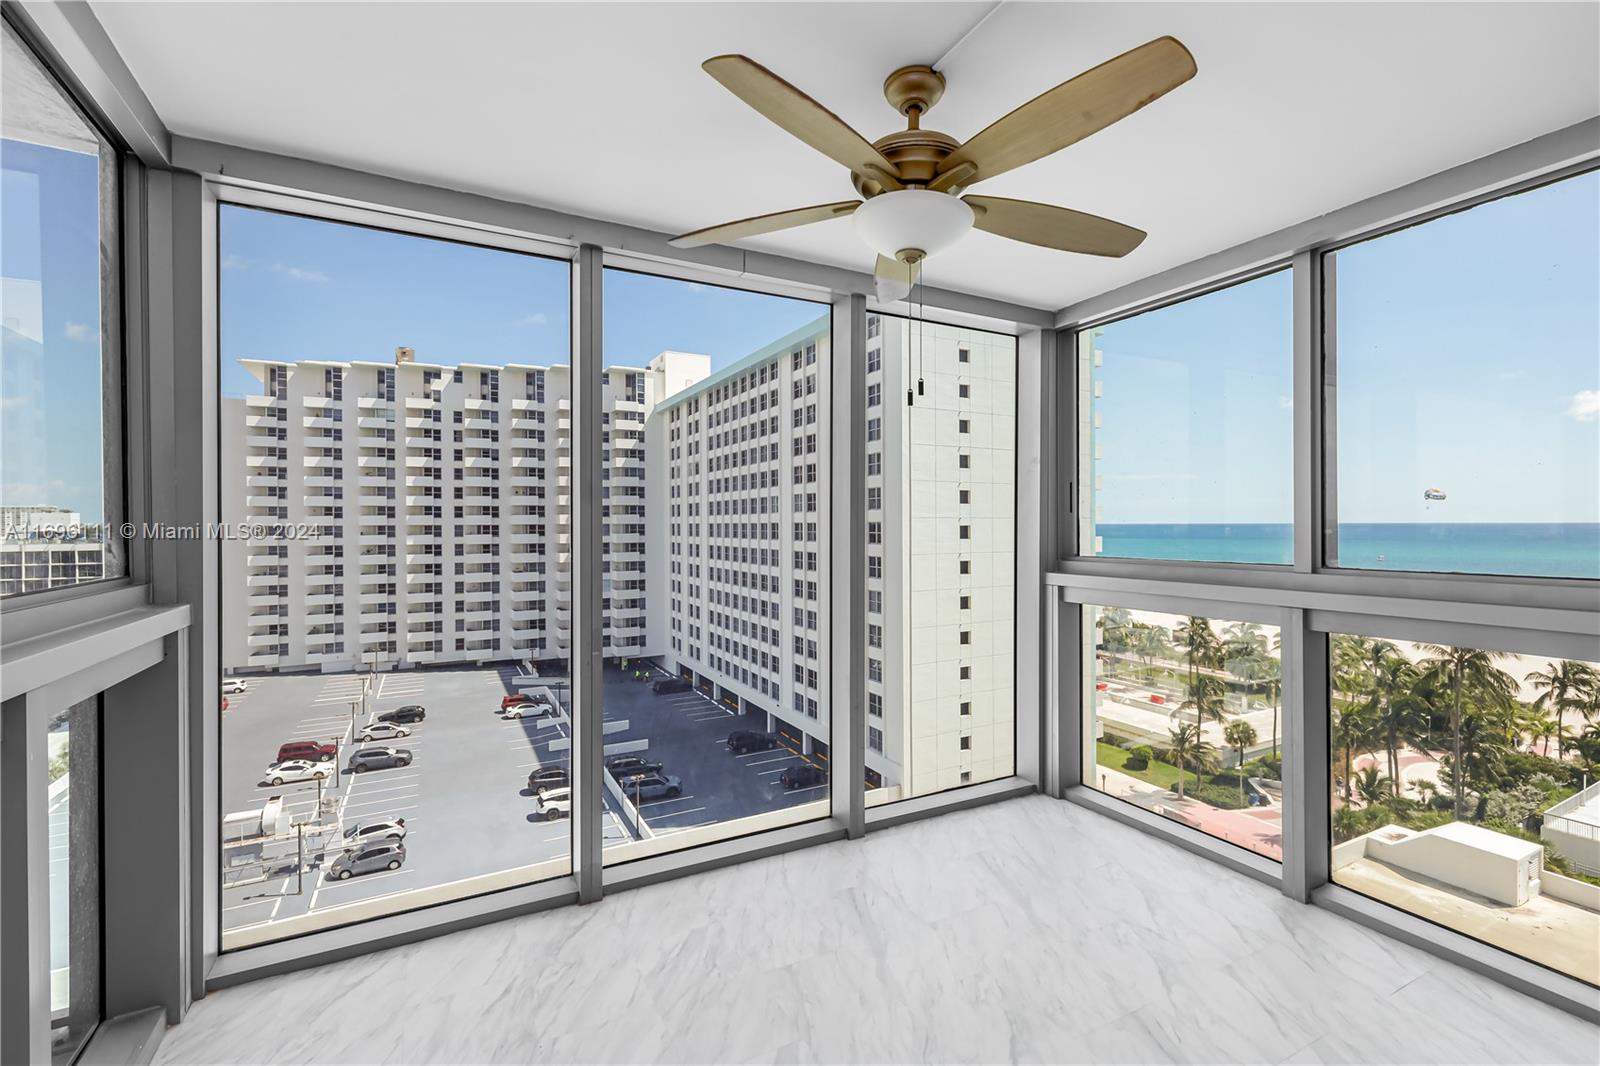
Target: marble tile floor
point(1031, 930)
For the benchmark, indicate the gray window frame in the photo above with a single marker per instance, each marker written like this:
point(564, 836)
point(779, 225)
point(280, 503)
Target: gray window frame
point(1308, 600)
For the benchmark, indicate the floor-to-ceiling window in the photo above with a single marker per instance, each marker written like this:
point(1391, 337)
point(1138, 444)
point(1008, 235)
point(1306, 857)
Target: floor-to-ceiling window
point(396, 478)
point(940, 514)
point(72, 810)
point(715, 510)
point(60, 375)
point(1422, 400)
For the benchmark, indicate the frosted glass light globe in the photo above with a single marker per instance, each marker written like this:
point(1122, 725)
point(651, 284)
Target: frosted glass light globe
point(908, 219)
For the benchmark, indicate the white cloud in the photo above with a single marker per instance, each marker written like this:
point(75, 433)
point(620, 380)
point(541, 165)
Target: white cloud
point(1152, 477)
point(693, 286)
point(294, 273)
point(1585, 405)
point(235, 262)
point(538, 318)
point(77, 331)
point(1286, 403)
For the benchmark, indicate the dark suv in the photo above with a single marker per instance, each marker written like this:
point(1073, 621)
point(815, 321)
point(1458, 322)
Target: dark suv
point(379, 759)
point(407, 715)
point(743, 741)
point(309, 750)
point(803, 776)
point(627, 765)
point(549, 777)
point(671, 684)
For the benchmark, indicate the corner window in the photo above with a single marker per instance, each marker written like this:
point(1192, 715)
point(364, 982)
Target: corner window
point(61, 499)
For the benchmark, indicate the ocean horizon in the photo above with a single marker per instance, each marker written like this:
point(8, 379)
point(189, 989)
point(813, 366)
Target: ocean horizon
point(1536, 549)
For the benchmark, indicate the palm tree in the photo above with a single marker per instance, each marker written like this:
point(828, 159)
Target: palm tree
point(1205, 698)
point(1115, 625)
point(1352, 730)
point(1185, 749)
point(1566, 686)
point(1272, 675)
point(1396, 713)
point(1372, 785)
point(1240, 734)
point(1465, 669)
point(1149, 642)
point(1202, 649)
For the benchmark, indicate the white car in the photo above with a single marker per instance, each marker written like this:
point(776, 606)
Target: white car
point(232, 686)
point(383, 731)
point(553, 803)
point(530, 710)
point(363, 832)
point(285, 773)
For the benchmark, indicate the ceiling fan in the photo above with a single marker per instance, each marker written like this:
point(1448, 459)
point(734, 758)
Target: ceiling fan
point(912, 180)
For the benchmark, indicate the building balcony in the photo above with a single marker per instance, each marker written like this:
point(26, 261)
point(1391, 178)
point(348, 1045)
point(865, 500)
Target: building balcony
point(478, 403)
point(421, 481)
point(421, 403)
point(263, 659)
point(374, 403)
point(259, 401)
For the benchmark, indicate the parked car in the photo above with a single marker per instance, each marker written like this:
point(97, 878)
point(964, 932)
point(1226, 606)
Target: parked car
point(389, 855)
point(381, 730)
point(548, 777)
point(803, 776)
point(553, 803)
point(310, 750)
point(379, 759)
point(284, 773)
point(516, 699)
point(233, 686)
point(363, 833)
point(529, 709)
point(671, 684)
point(744, 741)
point(410, 714)
point(651, 786)
point(627, 765)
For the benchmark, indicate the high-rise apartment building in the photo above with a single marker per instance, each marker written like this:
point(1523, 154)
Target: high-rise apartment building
point(441, 500)
point(430, 508)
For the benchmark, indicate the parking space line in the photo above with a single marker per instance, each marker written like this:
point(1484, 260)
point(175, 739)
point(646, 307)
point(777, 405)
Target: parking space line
point(391, 788)
point(674, 799)
point(764, 762)
point(387, 810)
point(779, 770)
point(364, 879)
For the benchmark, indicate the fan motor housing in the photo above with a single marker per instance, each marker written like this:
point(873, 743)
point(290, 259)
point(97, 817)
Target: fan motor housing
point(916, 154)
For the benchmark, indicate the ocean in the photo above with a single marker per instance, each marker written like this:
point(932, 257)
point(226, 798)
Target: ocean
point(1531, 549)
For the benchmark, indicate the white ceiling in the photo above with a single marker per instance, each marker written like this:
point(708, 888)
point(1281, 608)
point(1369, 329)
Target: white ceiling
point(602, 109)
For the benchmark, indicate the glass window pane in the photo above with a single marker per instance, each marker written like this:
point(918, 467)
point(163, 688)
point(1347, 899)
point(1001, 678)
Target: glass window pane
point(1185, 716)
point(1467, 390)
point(1185, 432)
point(715, 494)
point(395, 639)
point(73, 808)
point(941, 557)
point(1508, 851)
point(60, 349)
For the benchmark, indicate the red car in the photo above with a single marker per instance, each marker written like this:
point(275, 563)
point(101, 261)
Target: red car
point(309, 750)
point(518, 699)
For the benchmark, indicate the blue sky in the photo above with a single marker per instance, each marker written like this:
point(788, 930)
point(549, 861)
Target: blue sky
point(300, 288)
point(50, 370)
point(1468, 359)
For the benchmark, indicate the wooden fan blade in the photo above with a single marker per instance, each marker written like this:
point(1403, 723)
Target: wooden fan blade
point(754, 227)
point(895, 278)
point(802, 116)
point(1076, 108)
point(1053, 227)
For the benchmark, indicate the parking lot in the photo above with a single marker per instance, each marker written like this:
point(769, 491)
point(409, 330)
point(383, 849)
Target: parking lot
point(464, 796)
